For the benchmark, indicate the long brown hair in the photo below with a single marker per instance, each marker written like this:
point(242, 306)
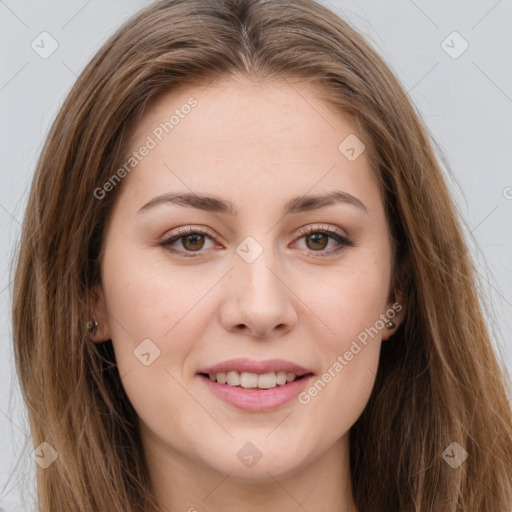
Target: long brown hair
point(438, 382)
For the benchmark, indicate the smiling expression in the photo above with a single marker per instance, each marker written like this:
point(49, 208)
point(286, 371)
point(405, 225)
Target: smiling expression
point(245, 235)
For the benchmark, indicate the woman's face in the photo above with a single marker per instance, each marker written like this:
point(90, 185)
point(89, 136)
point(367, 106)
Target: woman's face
point(249, 241)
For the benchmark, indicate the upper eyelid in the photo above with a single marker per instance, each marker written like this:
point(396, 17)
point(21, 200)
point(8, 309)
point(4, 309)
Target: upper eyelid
point(186, 230)
point(189, 230)
point(321, 227)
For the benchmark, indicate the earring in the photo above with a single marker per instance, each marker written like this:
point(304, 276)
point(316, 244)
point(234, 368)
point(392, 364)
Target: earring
point(390, 325)
point(92, 325)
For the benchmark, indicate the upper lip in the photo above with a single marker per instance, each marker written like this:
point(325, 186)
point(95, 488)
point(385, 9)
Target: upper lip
point(253, 366)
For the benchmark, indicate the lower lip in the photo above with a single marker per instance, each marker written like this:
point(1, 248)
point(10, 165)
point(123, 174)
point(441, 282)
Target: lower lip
point(257, 400)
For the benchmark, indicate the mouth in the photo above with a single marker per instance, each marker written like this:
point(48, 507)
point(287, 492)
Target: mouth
point(256, 386)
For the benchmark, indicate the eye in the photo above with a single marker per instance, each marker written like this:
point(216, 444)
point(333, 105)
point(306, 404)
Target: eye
point(191, 240)
point(318, 238)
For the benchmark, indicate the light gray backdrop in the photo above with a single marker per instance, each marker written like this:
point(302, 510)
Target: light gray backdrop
point(454, 58)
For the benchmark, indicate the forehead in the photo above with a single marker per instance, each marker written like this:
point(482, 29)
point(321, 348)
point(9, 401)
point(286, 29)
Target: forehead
point(281, 115)
point(234, 133)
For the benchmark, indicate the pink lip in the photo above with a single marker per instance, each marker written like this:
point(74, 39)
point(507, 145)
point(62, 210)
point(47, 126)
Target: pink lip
point(252, 366)
point(257, 400)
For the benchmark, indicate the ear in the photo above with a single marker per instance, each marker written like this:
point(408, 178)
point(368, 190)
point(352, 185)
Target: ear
point(395, 312)
point(99, 313)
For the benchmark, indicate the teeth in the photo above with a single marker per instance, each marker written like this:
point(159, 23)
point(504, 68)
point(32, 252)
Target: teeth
point(248, 380)
point(253, 380)
point(281, 378)
point(233, 379)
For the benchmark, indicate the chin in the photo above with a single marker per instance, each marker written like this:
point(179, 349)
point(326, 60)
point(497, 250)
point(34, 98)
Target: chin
point(259, 461)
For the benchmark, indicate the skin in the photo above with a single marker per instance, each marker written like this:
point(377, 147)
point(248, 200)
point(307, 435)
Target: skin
point(256, 146)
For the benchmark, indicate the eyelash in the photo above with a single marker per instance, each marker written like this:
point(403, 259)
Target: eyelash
point(309, 230)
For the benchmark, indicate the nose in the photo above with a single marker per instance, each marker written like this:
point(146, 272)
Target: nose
point(258, 301)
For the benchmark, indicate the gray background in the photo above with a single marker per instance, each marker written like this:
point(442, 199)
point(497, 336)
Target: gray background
point(466, 102)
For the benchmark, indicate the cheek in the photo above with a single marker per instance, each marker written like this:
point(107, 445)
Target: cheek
point(156, 318)
point(349, 303)
point(148, 298)
point(157, 315)
point(349, 310)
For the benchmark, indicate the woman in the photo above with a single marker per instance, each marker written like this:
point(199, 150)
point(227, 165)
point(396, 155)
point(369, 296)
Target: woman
point(242, 282)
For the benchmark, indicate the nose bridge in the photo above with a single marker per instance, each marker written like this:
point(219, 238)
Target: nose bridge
point(260, 300)
point(255, 272)
point(259, 280)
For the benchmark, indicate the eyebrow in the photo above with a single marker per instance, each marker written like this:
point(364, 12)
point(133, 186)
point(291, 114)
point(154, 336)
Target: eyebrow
point(295, 205)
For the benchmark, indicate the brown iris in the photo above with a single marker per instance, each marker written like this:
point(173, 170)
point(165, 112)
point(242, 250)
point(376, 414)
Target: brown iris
point(196, 242)
point(318, 241)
